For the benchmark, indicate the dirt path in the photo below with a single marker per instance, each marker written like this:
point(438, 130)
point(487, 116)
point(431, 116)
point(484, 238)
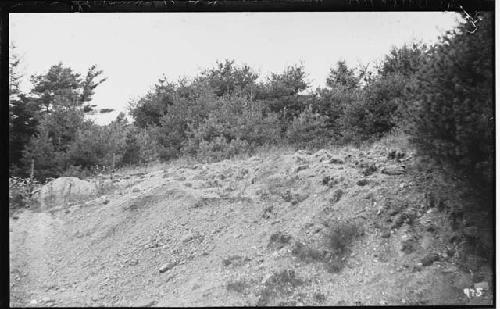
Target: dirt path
point(228, 234)
point(31, 246)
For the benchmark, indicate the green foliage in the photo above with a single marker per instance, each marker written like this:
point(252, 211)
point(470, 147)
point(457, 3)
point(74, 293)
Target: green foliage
point(62, 87)
point(342, 76)
point(23, 113)
point(454, 101)
point(237, 124)
point(148, 110)
point(20, 192)
point(280, 92)
point(374, 113)
point(132, 154)
point(226, 78)
point(219, 149)
point(309, 129)
point(48, 161)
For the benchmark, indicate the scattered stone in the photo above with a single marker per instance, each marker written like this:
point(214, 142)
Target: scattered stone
point(188, 237)
point(298, 198)
point(147, 303)
point(301, 168)
point(47, 299)
point(337, 195)
point(106, 201)
point(268, 211)
point(408, 246)
point(133, 262)
point(429, 259)
point(320, 298)
point(33, 302)
point(394, 170)
point(167, 266)
point(67, 211)
point(370, 170)
point(336, 161)
point(15, 217)
point(386, 234)
point(362, 182)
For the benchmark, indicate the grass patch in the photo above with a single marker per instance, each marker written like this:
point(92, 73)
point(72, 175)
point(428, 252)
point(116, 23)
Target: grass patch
point(307, 254)
point(337, 243)
point(278, 285)
point(279, 240)
point(238, 286)
point(338, 240)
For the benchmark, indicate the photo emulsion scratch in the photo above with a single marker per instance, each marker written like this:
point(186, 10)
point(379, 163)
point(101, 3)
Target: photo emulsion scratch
point(251, 159)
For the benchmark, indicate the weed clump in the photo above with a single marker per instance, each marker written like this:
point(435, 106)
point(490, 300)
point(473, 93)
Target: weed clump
point(237, 286)
point(278, 285)
point(279, 240)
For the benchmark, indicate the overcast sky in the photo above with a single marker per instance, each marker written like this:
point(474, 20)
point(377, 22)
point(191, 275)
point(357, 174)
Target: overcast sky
point(135, 50)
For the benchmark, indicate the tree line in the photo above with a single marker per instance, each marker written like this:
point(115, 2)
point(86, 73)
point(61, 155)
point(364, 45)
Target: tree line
point(440, 94)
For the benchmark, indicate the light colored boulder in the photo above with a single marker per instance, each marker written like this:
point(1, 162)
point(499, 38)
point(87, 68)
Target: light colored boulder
point(64, 190)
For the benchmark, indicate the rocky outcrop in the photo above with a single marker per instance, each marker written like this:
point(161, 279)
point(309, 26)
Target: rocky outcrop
point(64, 190)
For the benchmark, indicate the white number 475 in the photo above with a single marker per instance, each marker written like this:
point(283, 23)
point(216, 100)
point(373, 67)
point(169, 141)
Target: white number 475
point(469, 292)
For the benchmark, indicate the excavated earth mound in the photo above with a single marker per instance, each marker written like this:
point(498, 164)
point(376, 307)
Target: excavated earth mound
point(337, 227)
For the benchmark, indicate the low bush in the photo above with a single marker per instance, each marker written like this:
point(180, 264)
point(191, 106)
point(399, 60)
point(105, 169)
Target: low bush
point(280, 284)
point(20, 192)
point(309, 130)
point(454, 102)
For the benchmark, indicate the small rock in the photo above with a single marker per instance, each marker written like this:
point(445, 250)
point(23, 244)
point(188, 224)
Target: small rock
point(148, 303)
point(188, 237)
point(47, 299)
point(15, 217)
point(167, 266)
point(362, 182)
point(481, 285)
point(106, 201)
point(336, 161)
point(394, 170)
point(301, 168)
point(370, 170)
point(386, 234)
point(136, 190)
point(33, 302)
point(429, 259)
point(133, 262)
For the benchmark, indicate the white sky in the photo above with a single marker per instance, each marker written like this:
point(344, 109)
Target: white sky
point(135, 49)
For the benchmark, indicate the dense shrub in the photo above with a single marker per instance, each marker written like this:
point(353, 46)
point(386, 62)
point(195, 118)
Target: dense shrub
point(454, 101)
point(219, 149)
point(237, 123)
point(374, 113)
point(309, 130)
point(20, 192)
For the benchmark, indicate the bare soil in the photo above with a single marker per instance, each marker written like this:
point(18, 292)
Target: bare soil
point(202, 235)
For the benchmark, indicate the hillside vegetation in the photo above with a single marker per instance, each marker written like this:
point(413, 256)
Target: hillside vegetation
point(333, 227)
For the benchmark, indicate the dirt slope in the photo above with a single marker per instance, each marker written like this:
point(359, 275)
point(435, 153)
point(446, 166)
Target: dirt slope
point(245, 232)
